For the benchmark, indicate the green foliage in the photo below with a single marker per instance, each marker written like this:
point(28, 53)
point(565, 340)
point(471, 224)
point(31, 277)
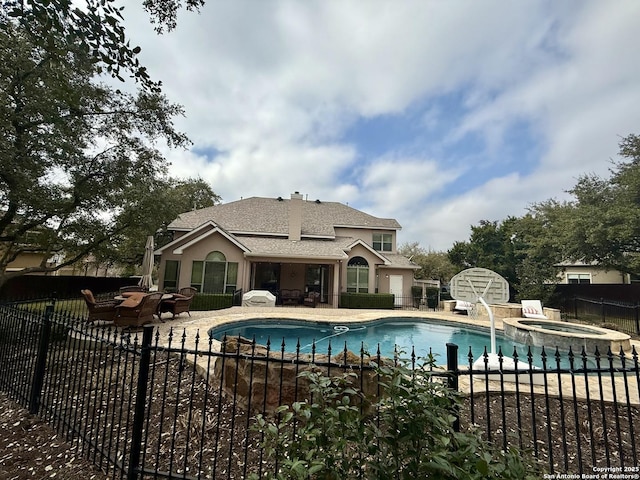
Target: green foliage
point(407, 434)
point(433, 265)
point(519, 249)
point(432, 295)
point(95, 27)
point(366, 300)
point(82, 172)
point(601, 225)
point(602, 222)
point(211, 301)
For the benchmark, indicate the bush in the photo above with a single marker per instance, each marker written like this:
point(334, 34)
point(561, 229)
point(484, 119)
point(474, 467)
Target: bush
point(432, 297)
point(366, 300)
point(211, 301)
point(407, 433)
point(416, 294)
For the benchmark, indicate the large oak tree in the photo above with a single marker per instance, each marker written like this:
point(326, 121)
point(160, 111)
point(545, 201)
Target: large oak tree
point(80, 165)
point(95, 26)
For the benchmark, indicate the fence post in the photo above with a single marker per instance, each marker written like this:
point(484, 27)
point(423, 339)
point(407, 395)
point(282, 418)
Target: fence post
point(637, 318)
point(140, 398)
point(452, 378)
point(41, 361)
point(604, 318)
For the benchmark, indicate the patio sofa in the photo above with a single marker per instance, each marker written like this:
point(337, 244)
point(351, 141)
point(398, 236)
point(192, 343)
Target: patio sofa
point(138, 309)
point(290, 297)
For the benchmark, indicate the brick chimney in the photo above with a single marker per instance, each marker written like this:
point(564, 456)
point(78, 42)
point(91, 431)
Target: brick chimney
point(295, 216)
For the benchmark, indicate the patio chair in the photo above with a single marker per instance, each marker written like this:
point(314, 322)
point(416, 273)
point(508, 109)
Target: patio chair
point(138, 309)
point(463, 306)
point(103, 310)
point(181, 302)
point(311, 299)
point(290, 297)
point(533, 309)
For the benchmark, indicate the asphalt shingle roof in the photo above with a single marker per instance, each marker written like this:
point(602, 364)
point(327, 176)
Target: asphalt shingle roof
point(270, 216)
point(262, 226)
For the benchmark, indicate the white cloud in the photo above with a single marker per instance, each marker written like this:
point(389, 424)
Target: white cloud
point(274, 85)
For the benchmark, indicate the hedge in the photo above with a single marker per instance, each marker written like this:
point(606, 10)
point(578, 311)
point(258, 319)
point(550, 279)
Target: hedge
point(211, 301)
point(367, 300)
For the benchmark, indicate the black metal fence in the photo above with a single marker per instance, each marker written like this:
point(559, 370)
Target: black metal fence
point(624, 316)
point(170, 405)
point(406, 302)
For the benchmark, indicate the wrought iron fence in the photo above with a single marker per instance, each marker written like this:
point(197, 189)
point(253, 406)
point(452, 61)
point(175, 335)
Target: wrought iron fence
point(624, 316)
point(151, 405)
point(404, 302)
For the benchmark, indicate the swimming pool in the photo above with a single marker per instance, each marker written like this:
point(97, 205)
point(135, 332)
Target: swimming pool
point(423, 335)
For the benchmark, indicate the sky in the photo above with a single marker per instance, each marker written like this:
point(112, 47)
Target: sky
point(437, 113)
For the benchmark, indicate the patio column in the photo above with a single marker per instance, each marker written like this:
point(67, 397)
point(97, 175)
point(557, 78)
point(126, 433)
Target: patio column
point(337, 272)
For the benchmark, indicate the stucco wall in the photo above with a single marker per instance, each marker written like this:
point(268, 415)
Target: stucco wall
point(366, 235)
point(598, 275)
point(198, 252)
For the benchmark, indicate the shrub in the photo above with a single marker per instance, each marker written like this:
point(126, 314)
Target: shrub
point(416, 294)
point(432, 297)
point(366, 300)
point(211, 301)
point(407, 433)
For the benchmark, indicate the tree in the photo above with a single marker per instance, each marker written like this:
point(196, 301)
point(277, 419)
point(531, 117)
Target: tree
point(433, 265)
point(602, 222)
point(519, 249)
point(97, 29)
point(79, 165)
point(488, 247)
point(169, 198)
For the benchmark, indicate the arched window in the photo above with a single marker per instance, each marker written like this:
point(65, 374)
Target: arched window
point(216, 257)
point(214, 274)
point(358, 275)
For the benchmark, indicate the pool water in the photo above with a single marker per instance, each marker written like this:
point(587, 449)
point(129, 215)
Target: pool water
point(423, 335)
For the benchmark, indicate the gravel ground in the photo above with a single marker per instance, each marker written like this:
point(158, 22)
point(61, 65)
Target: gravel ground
point(31, 449)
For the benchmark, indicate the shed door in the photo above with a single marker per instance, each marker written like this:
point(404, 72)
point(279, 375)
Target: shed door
point(395, 287)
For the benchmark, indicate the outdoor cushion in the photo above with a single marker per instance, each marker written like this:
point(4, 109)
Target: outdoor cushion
point(132, 300)
point(532, 309)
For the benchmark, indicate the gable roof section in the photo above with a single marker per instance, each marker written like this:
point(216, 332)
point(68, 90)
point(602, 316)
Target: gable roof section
point(367, 247)
point(270, 217)
point(196, 235)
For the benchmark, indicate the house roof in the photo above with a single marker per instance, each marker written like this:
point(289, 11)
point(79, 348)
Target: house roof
point(270, 216)
point(317, 249)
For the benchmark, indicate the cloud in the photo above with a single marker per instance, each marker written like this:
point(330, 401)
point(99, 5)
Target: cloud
point(503, 103)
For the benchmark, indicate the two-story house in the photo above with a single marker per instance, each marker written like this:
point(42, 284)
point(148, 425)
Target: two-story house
point(281, 244)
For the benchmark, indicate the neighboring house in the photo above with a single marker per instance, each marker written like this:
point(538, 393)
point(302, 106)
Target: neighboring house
point(88, 267)
point(586, 273)
point(281, 244)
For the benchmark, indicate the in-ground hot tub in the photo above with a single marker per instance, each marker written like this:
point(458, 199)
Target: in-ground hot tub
point(551, 334)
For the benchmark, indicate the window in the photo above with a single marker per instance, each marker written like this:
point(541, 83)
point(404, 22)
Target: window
point(214, 274)
point(382, 242)
point(358, 275)
point(578, 278)
point(171, 269)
